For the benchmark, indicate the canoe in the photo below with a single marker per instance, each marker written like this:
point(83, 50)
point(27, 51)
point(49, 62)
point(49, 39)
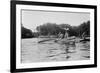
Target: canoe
point(45, 40)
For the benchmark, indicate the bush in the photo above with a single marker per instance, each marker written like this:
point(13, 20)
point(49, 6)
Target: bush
point(26, 33)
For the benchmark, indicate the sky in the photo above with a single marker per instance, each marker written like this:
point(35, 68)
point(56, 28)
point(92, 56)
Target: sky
point(32, 18)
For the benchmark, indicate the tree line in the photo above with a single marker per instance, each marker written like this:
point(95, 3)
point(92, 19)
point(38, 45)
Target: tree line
point(54, 29)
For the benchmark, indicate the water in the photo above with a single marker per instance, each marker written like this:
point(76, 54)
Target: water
point(48, 51)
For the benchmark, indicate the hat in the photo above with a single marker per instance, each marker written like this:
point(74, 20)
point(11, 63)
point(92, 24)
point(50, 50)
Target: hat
point(66, 29)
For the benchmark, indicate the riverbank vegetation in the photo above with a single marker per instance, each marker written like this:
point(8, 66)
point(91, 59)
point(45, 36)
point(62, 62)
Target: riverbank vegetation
point(53, 29)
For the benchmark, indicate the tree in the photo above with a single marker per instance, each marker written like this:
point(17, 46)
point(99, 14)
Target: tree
point(84, 28)
point(26, 33)
point(54, 29)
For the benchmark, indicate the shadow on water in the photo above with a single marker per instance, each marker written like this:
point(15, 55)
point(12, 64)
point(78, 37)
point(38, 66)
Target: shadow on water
point(69, 49)
point(56, 51)
point(85, 46)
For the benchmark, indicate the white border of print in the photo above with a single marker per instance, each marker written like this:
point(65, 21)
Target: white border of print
point(20, 65)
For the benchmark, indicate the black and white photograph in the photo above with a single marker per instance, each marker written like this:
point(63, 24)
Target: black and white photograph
point(53, 36)
point(48, 36)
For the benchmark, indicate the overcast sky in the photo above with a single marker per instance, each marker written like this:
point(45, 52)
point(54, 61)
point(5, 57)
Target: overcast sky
point(32, 19)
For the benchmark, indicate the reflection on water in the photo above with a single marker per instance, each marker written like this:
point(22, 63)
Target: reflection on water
point(32, 51)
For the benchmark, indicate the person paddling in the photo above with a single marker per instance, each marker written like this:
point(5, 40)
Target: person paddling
point(66, 32)
point(65, 35)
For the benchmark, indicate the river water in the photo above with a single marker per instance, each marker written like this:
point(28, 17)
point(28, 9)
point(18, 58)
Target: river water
point(32, 51)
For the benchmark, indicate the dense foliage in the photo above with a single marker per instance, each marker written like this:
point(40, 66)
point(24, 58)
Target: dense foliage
point(54, 29)
point(26, 33)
